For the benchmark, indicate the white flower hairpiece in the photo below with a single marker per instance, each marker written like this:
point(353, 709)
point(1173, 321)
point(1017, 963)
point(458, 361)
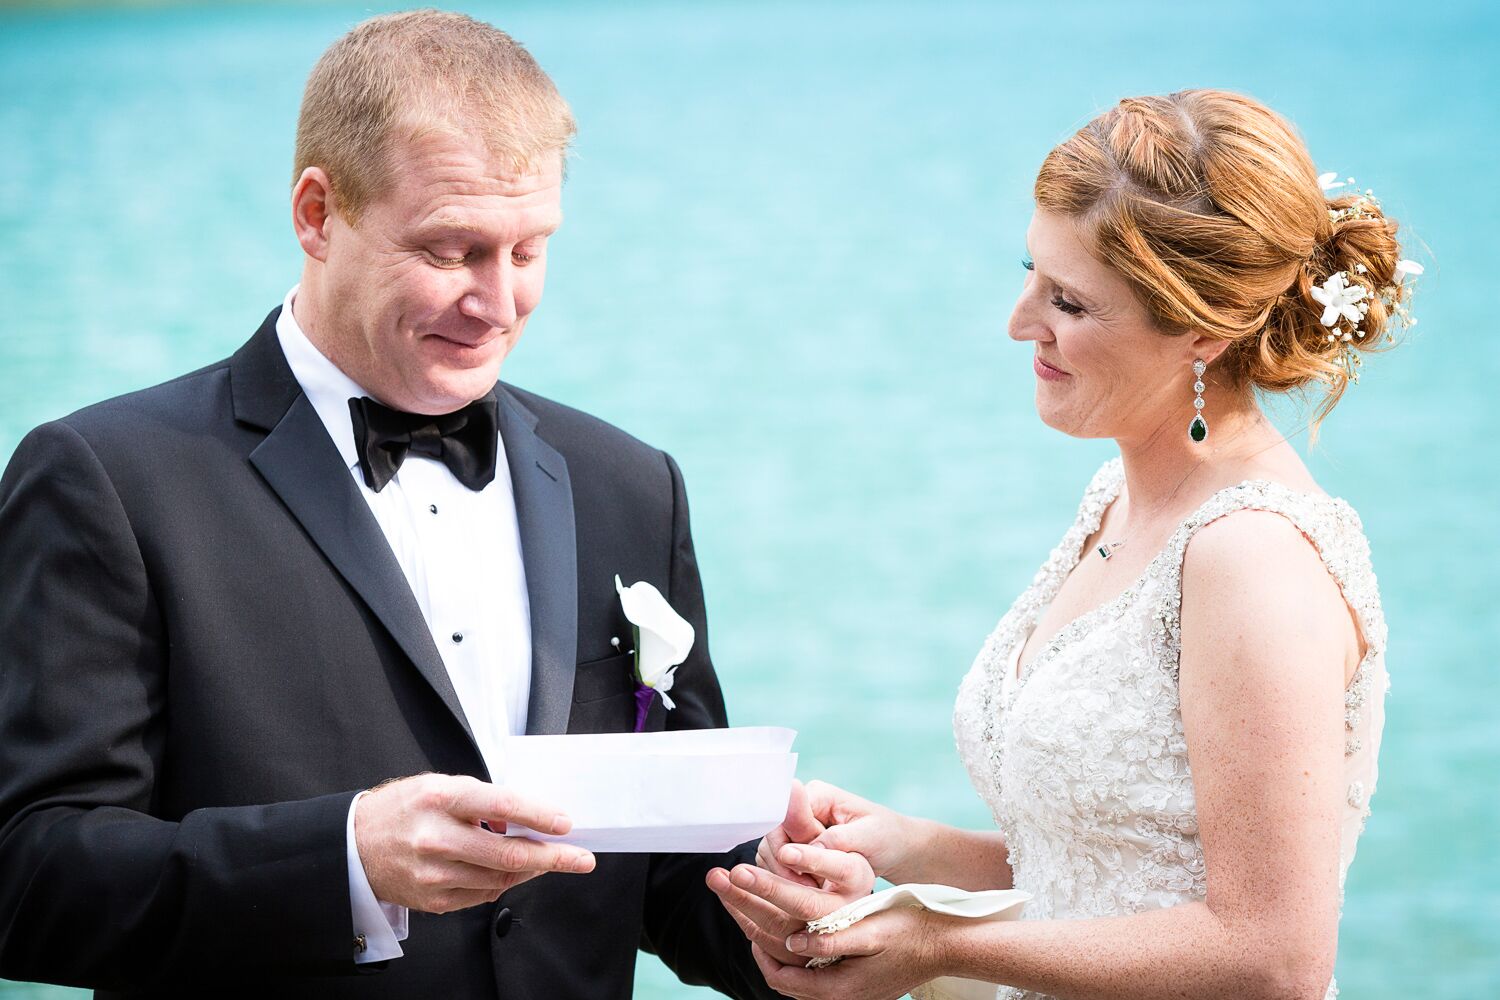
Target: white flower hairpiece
point(1341, 299)
point(1365, 206)
point(1346, 299)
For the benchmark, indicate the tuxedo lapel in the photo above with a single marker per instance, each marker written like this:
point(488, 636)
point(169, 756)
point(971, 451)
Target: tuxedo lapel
point(299, 461)
point(549, 551)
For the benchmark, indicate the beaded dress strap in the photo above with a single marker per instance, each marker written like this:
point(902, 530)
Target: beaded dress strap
point(1330, 524)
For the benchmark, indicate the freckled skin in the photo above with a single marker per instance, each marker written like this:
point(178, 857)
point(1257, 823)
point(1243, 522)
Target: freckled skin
point(1268, 646)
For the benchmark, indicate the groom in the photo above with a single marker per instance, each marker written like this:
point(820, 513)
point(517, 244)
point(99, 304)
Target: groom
point(344, 559)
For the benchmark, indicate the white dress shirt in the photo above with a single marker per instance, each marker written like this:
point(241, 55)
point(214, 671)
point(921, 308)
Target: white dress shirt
point(460, 550)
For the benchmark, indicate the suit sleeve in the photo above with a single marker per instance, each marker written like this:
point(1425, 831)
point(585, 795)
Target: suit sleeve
point(96, 890)
point(684, 922)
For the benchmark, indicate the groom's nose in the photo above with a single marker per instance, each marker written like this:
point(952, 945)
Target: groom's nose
point(492, 297)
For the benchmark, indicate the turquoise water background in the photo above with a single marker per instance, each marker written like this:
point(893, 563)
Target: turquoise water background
point(792, 243)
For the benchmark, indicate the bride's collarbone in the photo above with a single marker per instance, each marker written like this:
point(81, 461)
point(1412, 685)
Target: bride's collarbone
point(1092, 583)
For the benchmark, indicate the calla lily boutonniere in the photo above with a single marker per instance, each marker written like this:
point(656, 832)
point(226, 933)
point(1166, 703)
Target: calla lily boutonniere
point(663, 639)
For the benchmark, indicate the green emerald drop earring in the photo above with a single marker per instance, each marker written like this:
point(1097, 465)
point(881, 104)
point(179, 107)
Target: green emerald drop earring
point(1198, 429)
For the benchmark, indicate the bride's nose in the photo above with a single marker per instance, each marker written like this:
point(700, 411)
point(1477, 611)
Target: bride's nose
point(1026, 319)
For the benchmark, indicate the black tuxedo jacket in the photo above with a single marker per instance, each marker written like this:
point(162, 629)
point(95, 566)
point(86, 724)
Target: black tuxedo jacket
point(207, 648)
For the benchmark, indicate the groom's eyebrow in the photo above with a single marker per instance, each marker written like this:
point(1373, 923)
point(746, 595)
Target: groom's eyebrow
point(444, 224)
point(546, 229)
point(449, 223)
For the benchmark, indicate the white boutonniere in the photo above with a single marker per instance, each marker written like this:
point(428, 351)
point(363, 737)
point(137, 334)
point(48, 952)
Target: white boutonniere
point(663, 639)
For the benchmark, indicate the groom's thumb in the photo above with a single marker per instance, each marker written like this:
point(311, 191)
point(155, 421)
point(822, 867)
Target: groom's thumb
point(800, 825)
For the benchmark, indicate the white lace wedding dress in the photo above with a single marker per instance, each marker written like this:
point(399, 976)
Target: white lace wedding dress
point(1083, 760)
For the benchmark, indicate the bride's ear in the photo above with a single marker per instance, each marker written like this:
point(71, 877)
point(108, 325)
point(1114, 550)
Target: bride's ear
point(1206, 347)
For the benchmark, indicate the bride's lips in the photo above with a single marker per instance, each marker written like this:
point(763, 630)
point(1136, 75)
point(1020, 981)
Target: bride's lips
point(1046, 371)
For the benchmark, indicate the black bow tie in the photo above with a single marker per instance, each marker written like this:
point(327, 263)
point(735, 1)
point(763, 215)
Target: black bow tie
point(463, 440)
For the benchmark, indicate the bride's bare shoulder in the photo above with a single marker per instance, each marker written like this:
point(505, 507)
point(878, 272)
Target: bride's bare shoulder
point(1254, 574)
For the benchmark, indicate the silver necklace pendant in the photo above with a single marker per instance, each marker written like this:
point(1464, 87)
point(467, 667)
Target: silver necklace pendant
point(1108, 549)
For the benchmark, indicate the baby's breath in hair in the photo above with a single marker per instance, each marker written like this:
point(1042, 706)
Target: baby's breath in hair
point(1345, 299)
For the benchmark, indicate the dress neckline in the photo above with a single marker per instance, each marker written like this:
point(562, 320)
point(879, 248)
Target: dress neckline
point(1081, 624)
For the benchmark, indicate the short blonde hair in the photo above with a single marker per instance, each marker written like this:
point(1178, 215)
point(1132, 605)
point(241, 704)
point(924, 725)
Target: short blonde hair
point(1208, 203)
point(396, 77)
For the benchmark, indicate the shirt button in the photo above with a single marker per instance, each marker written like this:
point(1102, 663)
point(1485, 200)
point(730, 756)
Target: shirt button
point(458, 637)
point(432, 507)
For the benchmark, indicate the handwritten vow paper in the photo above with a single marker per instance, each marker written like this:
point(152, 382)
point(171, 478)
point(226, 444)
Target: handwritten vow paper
point(689, 791)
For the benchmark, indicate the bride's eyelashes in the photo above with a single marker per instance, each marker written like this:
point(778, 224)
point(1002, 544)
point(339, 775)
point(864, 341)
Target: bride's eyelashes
point(1071, 308)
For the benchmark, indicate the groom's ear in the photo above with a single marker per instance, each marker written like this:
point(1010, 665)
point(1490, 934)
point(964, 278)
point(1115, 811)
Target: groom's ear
point(312, 211)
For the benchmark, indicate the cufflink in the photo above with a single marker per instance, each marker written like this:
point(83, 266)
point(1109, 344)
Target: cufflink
point(359, 944)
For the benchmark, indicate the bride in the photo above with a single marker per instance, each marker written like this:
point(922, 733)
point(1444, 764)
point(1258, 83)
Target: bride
point(1176, 724)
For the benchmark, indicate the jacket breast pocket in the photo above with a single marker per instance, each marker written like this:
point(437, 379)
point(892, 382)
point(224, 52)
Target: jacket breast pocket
point(610, 677)
point(604, 698)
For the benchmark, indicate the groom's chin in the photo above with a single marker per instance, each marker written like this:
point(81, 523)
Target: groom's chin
point(445, 388)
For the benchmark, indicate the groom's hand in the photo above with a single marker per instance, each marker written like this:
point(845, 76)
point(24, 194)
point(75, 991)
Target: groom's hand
point(422, 845)
point(769, 908)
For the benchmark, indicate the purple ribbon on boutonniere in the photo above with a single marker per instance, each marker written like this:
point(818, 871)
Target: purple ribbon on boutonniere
point(644, 696)
point(663, 639)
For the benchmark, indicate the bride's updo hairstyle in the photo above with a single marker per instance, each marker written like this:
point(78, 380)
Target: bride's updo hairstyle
point(1209, 205)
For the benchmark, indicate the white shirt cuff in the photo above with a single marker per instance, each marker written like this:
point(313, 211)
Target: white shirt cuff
point(380, 924)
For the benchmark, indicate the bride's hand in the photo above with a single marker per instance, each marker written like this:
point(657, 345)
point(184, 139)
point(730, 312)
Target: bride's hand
point(769, 908)
point(886, 838)
point(884, 956)
point(799, 827)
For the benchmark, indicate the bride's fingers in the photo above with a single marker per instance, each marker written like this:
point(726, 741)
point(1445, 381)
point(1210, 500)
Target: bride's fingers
point(851, 943)
point(850, 871)
point(800, 825)
point(833, 806)
point(823, 800)
point(766, 856)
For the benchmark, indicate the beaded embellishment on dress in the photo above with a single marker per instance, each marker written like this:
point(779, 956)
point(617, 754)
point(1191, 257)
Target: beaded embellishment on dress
point(1083, 760)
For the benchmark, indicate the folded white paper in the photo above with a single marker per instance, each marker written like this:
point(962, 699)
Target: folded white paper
point(686, 791)
point(987, 904)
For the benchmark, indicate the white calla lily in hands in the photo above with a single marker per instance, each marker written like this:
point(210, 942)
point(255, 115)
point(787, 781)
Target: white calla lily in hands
point(663, 638)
